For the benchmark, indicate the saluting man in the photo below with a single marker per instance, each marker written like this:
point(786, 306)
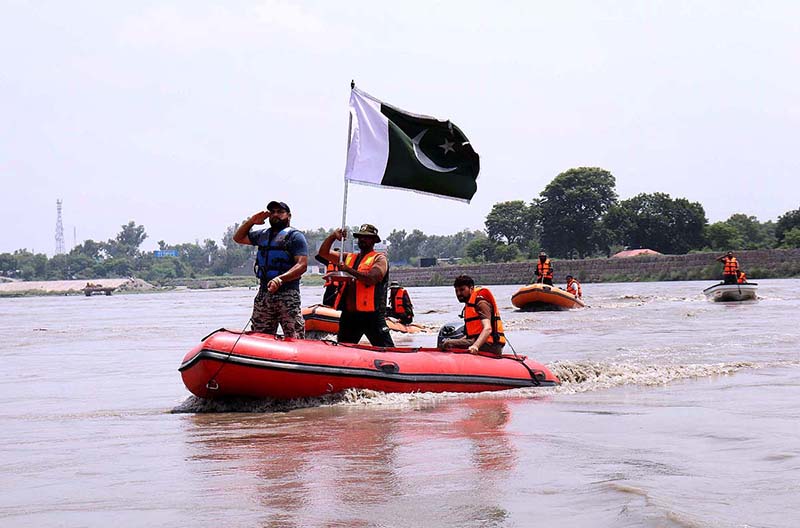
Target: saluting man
point(281, 260)
point(730, 267)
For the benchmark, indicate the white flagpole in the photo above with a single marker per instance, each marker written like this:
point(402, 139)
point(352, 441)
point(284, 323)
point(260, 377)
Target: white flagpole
point(346, 182)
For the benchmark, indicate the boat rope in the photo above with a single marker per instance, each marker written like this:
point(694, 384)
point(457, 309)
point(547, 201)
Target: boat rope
point(212, 384)
point(521, 361)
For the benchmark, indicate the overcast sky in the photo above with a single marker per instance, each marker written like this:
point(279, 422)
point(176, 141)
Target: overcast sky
point(187, 117)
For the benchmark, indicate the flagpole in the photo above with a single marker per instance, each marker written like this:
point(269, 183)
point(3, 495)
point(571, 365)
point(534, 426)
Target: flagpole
point(346, 182)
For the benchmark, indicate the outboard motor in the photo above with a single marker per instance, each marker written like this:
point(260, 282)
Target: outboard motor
point(451, 331)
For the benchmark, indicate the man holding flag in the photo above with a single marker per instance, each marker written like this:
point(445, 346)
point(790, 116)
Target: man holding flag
point(389, 147)
point(363, 302)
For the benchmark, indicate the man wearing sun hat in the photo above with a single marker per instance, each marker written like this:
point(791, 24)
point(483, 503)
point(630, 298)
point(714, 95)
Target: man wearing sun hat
point(363, 303)
point(281, 260)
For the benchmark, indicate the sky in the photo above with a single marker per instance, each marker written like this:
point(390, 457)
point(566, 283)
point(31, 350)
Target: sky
point(189, 116)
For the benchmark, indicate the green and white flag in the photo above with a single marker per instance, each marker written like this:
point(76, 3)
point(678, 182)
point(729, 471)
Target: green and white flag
point(393, 148)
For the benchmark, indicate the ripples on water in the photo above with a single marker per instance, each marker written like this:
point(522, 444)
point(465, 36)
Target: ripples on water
point(673, 412)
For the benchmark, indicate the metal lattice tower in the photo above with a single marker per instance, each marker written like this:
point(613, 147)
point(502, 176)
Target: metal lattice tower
point(59, 230)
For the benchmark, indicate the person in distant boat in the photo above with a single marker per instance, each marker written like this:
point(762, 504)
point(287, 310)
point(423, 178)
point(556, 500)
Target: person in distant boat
point(574, 287)
point(281, 260)
point(331, 295)
point(400, 306)
point(363, 303)
point(482, 323)
point(730, 267)
point(544, 270)
point(741, 278)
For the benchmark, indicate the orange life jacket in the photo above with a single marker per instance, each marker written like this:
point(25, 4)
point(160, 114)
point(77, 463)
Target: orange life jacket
point(544, 269)
point(397, 302)
point(472, 321)
point(331, 267)
point(742, 278)
point(368, 298)
point(731, 266)
point(574, 287)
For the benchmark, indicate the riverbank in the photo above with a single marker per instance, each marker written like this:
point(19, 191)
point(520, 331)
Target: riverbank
point(759, 264)
point(71, 287)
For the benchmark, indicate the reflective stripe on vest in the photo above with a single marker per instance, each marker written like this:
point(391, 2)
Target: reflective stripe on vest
point(472, 320)
point(274, 259)
point(367, 296)
point(731, 266)
point(544, 269)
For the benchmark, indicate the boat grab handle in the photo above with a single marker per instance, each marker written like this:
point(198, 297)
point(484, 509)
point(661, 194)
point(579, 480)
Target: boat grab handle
point(387, 366)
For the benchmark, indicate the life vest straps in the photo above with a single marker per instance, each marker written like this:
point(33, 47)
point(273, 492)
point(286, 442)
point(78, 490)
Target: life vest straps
point(265, 264)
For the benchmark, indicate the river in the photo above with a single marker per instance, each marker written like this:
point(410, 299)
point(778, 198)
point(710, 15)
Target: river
point(674, 412)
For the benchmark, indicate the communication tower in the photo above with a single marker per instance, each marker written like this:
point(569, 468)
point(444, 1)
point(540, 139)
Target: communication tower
point(59, 230)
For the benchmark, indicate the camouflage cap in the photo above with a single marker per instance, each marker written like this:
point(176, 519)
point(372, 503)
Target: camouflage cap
point(367, 230)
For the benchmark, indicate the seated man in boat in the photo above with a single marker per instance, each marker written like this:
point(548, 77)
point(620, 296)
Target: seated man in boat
point(574, 287)
point(400, 306)
point(482, 323)
point(331, 295)
point(730, 267)
point(544, 270)
point(281, 260)
point(741, 278)
point(363, 303)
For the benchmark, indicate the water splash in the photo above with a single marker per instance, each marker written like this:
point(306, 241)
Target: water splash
point(585, 376)
point(576, 377)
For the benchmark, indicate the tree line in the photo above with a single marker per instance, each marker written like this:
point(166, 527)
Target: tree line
point(577, 215)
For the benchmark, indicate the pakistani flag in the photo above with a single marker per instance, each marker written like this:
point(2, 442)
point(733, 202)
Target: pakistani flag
point(393, 148)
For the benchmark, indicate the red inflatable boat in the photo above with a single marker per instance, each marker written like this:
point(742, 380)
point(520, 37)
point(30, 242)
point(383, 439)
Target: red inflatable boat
point(229, 363)
point(320, 318)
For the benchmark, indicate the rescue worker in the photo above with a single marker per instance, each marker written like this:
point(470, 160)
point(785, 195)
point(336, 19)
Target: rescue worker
point(400, 306)
point(730, 267)
point(482, 323)
point(281, 260)
point(544, 270)
point(363, 303)
point(741, 278)
point(331, 295)
point(574, 287)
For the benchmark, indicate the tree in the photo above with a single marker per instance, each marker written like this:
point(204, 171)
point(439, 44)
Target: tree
point(791, 238)
point(786, 222)
point(658, 222)
point(509, 222)
point(481, 250)
point(753, 234)
point(127, 242)
point(721, 236)
point(403, 247)
point(571, 208)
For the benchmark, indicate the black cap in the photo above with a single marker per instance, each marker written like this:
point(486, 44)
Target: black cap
point(274, 205)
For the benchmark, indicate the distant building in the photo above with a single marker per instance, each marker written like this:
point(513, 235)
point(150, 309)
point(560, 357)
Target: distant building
point(635, 253)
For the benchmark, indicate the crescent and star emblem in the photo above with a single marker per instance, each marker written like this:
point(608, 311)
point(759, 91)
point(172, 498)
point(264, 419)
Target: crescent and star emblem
point(424, 159)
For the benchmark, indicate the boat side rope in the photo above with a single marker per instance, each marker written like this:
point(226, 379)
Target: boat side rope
point(521, 361)
point(212, 384)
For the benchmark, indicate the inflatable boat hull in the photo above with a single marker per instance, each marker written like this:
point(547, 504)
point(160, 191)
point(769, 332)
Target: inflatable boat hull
point(538, 297)
point(324, 319)
point(264, 366)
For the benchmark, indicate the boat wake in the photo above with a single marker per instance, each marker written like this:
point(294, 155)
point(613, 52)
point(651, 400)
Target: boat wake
point(586, 376)
point(576, 377)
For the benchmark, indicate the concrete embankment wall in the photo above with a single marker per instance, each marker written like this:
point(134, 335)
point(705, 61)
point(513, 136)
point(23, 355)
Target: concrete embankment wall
point(758, 264)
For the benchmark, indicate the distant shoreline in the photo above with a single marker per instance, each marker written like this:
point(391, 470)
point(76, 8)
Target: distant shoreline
point(759, 264)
